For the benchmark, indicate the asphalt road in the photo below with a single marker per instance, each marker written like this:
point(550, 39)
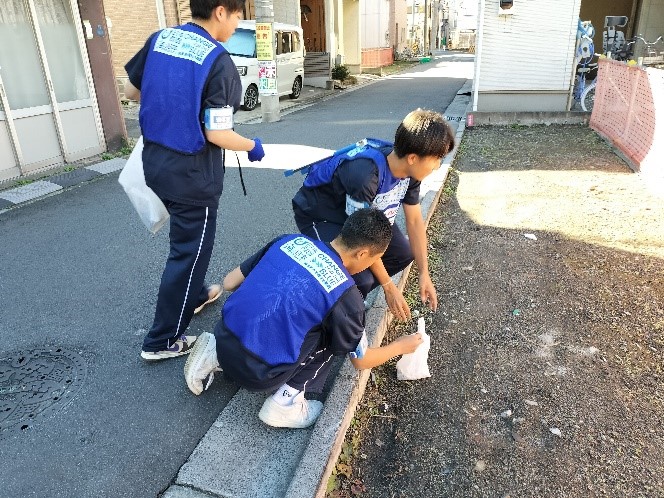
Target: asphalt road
point(79, 273)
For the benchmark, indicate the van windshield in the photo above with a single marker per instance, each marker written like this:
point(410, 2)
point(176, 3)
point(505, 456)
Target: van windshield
point(242, 43)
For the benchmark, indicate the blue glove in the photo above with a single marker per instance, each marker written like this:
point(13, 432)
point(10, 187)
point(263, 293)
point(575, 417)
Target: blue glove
point(257, 153)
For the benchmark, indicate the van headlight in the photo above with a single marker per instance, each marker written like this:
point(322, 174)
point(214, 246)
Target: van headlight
point(242, 70)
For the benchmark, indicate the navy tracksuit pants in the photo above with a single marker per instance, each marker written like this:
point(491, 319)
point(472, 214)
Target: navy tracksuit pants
point(182, 288)
point(397, 256)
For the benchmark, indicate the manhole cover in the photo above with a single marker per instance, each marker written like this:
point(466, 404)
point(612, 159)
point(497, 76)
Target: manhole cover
point(35, 383)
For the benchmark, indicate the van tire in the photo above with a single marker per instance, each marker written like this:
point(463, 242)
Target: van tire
point(297, 88)
point(250, 98)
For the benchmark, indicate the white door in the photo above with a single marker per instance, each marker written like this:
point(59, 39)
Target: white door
point(285, 66)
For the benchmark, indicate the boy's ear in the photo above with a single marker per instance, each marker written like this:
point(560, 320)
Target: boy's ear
point(362, 253)
point(219, 13)
point(411, 158)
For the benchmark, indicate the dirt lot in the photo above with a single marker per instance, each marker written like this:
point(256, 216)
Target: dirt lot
point(547, 351)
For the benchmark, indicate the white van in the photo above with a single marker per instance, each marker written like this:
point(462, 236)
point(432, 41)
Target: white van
point(289, 55)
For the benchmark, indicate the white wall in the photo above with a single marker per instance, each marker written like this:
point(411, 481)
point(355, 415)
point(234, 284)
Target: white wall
point(467, 14)
point(375, 17)
point(287, 11)
point(531, 50)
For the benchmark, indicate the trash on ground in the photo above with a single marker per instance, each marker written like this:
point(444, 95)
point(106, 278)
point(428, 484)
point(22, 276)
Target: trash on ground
point(414, 366)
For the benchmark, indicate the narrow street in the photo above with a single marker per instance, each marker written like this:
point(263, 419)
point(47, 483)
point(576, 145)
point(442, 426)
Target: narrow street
point(79, 273)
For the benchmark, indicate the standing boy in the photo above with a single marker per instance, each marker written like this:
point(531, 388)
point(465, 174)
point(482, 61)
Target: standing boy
point(385, 176)
point(295, 306)
point(189, 90)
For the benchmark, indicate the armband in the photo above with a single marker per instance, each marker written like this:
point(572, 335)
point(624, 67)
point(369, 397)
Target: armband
point(361, 348)
point(219, 118)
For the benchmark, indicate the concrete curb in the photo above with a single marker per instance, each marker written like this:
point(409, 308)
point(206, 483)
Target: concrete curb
point(305, 457)
point(57, 183)
point(322, 452)
point(297, 105)
point(527, 118)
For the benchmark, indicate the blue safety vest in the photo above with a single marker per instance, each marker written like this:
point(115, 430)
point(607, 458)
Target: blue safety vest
point(391, 190)
point(289, 292)
point(175, 73)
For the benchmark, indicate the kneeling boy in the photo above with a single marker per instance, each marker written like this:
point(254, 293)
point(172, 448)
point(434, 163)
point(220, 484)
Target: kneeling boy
point(295, 306)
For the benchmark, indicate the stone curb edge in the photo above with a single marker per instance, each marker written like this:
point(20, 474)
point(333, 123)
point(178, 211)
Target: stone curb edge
point(311, 476)
point(55, 184)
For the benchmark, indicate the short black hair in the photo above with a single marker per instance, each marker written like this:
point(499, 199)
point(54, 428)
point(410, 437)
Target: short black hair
point(368, 227)
point(202, 9)
point(425, 133)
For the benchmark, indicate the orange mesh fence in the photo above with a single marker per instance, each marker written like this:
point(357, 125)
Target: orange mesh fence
point(629, 111)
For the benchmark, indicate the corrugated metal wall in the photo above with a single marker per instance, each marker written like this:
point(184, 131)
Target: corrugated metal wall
point(531, 50)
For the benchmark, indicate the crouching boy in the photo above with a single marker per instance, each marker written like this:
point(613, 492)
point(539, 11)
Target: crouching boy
point(294, 307)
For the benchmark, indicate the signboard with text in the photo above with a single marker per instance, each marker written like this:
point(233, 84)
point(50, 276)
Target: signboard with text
point(264, 41)
point(267, 77)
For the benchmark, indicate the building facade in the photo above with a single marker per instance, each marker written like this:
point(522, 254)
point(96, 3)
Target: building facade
point(56, 103)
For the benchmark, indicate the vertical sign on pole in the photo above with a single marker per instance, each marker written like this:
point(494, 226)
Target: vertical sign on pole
point(267, 66)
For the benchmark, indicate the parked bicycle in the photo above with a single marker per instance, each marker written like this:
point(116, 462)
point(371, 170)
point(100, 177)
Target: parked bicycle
point(585, 54)
point(649, 46)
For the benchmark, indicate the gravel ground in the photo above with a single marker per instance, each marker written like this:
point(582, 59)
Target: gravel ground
point(547, 352)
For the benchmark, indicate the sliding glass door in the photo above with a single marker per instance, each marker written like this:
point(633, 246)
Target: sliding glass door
point(49, 112)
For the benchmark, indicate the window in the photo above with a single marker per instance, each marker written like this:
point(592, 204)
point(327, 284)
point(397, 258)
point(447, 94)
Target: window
point(242, 43)
point(284, 42)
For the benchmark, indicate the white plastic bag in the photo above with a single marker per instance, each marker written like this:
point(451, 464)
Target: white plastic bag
point(414, 366)
point(149, 207)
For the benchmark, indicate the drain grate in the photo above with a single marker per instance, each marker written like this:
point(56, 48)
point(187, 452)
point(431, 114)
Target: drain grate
point(36, 383)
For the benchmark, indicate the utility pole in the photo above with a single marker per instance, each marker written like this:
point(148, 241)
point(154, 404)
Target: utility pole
point(412, 29)
point(435, 26)
point(269, 98)
point(424, 33)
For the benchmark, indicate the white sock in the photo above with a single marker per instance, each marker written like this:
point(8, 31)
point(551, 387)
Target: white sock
point(285, 395)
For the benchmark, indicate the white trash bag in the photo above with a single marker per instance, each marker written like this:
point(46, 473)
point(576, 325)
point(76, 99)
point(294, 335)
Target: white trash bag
point(414, 366)
point(149, 207)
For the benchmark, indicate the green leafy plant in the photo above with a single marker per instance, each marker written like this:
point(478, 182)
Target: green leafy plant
point(340, 72)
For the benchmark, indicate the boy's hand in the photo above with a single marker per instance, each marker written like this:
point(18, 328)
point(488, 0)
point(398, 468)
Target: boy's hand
point(428, 292)
point(396, 302)
point(257, 153)
point(409, 343)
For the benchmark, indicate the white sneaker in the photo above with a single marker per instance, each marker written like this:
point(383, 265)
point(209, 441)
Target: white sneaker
point(302, 413)
point(202, 362)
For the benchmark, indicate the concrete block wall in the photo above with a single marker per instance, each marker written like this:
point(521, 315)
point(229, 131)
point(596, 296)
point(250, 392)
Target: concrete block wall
point(377, 57)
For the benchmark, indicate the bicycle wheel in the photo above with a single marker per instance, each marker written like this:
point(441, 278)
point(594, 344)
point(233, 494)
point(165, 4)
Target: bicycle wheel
point(588, 98)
